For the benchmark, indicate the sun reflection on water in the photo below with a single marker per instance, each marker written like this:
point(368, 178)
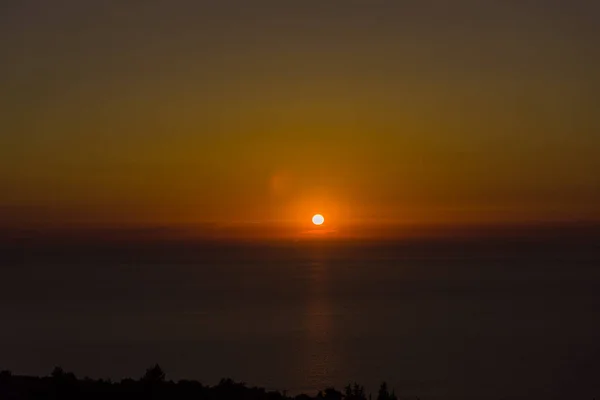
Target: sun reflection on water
point(319, 357)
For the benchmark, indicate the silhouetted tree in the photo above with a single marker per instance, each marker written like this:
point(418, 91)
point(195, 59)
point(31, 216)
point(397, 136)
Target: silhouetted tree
point(229, 389)
point(383, 394)
point(359, 392)
point(58, 374)
point(354, 392)
point(154, 375)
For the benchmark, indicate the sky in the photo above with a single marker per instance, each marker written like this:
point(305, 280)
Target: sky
point(168, 113)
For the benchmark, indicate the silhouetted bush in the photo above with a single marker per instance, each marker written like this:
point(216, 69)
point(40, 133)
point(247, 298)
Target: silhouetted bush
point(330, 394)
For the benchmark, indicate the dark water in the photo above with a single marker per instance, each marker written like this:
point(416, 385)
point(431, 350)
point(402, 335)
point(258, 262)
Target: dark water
point(470, 319)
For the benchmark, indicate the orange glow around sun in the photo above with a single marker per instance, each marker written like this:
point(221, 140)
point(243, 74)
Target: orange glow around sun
point(318, 219)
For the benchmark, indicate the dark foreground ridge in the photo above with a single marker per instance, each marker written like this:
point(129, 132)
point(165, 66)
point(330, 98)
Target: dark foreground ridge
point(154, 385)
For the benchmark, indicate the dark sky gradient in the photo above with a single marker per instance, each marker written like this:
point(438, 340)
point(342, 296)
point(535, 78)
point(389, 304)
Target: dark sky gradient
point(181, 112)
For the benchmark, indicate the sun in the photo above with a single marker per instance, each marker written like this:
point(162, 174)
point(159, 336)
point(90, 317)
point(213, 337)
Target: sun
point(318, 219)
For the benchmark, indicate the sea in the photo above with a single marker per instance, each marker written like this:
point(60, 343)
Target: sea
point(467, 318)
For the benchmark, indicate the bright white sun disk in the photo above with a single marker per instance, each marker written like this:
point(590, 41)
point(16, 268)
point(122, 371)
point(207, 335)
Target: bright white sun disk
point(318, 219)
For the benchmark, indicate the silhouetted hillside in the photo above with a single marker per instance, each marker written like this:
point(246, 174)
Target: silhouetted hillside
point(154, 385)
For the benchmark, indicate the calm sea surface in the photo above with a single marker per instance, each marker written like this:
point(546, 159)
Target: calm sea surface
point(469, 319)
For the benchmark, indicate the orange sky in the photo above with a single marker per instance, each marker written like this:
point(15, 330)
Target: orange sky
point(159, 114)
